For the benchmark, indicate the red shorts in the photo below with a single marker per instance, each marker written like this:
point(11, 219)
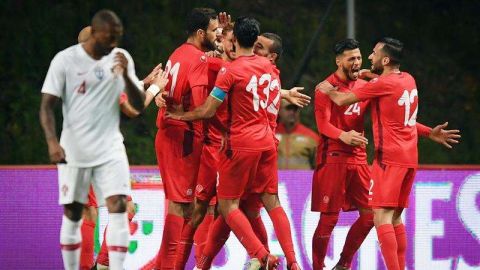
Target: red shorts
point(340, 186)
point(208, 174)
point(244, 172)
point(390, 185)
point(92, 200)
point(178, 154)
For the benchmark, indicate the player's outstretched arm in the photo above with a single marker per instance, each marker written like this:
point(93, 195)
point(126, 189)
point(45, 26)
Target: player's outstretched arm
point(150, 77)
point(204, 111)
point(47, 120)
point(295, 97)
point(443, 136)
point(339, 98)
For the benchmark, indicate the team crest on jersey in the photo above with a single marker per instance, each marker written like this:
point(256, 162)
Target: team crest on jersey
point(203, 58)
point(223, 70)
point(99, 73)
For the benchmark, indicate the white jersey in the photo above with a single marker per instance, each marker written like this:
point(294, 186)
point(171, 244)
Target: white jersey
point(90, 95)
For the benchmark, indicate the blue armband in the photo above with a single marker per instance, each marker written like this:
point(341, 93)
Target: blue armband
point(218, 94)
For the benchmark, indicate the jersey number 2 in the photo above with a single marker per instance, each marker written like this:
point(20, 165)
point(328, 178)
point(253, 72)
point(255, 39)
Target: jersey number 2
point(406, 100)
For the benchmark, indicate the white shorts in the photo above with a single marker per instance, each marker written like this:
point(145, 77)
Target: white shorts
point(108, 179)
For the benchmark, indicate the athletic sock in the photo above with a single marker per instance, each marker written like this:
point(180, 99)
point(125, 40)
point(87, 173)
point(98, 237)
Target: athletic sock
point(87, 250)
point(355, 237)
point(171, 235)
point(184, 246)
point(388, 246)
point(200, 237)
point(117, 239)
point(401, 236)
point(283, 232)
point(321, 237)
point(217, 236)
point(70, 242)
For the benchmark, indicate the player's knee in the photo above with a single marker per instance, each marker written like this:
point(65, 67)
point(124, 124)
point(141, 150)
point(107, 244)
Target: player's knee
point(117, 204)
point(227, 206)
point(270, 201)
point(73, 211)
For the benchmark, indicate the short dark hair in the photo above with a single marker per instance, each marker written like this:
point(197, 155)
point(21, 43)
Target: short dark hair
point(105, 16)
point(246, 31)
point(199, 18)
point(393, 48)
point(277, 46)
point(345, 45)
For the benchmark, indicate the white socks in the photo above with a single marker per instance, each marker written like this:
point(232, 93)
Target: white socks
point(117, 239)
point(71, 243)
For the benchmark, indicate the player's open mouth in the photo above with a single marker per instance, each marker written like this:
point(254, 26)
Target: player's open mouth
point(355, 72)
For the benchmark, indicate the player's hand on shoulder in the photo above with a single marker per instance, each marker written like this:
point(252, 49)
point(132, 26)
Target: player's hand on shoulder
point(353, 138)
point(56, 152)
point(447, 137)
point(325, 87)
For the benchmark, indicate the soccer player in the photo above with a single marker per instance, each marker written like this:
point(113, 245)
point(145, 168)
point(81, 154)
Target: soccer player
point(89, 79)
point(177, 143)
point(394, 103)
point(342, 175)
point(249, 145)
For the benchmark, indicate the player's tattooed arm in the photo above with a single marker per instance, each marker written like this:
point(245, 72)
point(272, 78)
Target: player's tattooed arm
point(440, 135)
point(339, 98)
point(204, 111)
point(295, 97)
point(47, 120)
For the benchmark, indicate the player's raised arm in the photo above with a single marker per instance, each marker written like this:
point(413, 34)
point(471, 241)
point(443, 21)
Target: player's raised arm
point(136, 96)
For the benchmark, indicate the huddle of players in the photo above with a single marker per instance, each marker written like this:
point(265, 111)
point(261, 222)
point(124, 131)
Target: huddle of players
point(238, 97)
point(242, 106)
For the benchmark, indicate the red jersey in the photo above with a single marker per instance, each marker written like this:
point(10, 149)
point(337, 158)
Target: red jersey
point(187, 70)
point(332, 120)
point(213, 128)
point(394, 99)
point(274, 99)
point(247, 81)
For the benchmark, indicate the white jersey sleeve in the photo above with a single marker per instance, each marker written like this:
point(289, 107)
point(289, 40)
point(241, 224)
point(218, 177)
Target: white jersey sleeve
point(54, 83)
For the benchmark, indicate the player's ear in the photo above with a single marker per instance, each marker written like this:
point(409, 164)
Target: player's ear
point(385, 60)
point(337, 61)
point(274, 56)
point(200, 32)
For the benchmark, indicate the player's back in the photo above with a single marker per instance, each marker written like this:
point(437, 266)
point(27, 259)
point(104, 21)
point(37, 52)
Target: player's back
point(247, 81)
point(187, 68)
point(394, 120)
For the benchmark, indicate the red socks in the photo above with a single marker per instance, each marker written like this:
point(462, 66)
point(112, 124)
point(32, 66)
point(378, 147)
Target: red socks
point(217, 236)
point(200, 237)
point(259, 230)
point(401, 236)
point(239, 224)
point(321, 237)
point(171, 235)
point(184, 246)
point(86, 254)
point(388, 245)
point(283, 232)
point(356, 235)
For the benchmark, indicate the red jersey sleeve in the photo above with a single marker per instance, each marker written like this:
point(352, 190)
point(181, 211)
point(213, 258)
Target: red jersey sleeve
point(423, 130)
point(323, 107)
point(214, 63)
point(374, 88)
point(199, 73)
point(225, 79)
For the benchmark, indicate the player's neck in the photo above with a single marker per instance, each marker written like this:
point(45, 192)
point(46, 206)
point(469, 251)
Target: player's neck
point(389, 70)
point(243, 51)
point(195, 42)
point(88, 47)
point(341, 75)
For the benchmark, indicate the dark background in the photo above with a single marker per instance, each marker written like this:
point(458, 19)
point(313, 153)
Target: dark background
point(441, 38)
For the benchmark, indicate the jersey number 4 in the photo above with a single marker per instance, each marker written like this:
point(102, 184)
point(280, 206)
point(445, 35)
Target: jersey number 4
point(406, 100)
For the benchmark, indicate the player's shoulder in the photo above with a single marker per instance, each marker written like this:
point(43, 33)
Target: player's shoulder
point(71, 51)
point(360, 83)
point(123, 51)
